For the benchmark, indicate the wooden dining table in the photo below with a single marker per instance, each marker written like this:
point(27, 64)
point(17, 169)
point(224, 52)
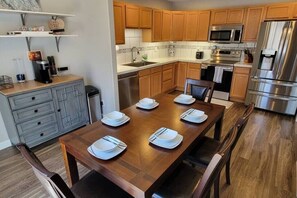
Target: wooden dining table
point(142, 167)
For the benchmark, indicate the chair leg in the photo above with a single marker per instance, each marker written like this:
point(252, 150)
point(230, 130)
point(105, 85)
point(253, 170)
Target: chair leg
point(217, 187)
point(228, 180)
point(207, 194)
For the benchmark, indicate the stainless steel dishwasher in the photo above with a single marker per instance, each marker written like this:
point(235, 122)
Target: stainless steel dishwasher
point(128, 89)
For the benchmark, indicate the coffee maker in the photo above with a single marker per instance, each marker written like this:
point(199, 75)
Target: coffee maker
point(41, 71)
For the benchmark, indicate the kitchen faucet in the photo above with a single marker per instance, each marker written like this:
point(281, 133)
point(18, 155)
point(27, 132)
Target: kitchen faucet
point(132, 50)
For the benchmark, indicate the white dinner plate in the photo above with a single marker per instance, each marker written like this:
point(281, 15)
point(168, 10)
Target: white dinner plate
point(165, 144)
point(177, 100)
point(147, 107)
point(113, 123)
point(103, 145)
point(111, 154)
point(184, 116)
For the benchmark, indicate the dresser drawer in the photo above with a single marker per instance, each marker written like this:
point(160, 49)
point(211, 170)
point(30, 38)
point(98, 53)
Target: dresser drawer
point(40, 135)
point(29, 113)
point(29, 99)
point(36, 124)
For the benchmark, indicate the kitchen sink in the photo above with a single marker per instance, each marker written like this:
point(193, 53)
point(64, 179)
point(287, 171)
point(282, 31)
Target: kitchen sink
point(139, 64)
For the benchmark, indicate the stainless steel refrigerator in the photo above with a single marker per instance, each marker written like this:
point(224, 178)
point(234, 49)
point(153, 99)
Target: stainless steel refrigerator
point(273, 80)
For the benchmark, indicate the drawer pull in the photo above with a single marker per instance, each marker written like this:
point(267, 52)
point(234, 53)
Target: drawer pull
point(59, 110)
point(41, 134)
point(39, 123)
point(36, 110)
point(33, 98)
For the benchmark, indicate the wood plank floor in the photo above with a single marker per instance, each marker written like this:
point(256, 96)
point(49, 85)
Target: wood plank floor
point(263, 163)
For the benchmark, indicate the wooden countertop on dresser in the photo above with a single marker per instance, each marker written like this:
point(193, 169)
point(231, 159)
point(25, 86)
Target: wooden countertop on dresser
point(32, 85)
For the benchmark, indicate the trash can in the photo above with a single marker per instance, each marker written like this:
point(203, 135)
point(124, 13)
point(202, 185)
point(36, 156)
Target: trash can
point(94, 103)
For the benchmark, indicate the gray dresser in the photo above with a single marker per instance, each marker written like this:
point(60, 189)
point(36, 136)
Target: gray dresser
point(34, 112)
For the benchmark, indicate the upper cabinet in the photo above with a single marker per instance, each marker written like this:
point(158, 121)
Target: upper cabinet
point(294, 14)
point(154, 34)
point(166, 25)
point(145, 17)
point(203, 25)
point(191, 25)
point(254, 17)
point(278, 11)
point(227, 16)
point(132, 16)
point(178, 22)
point(119, 22)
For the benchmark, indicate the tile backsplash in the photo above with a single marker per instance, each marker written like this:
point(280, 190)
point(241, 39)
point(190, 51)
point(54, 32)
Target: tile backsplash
point(184, 49)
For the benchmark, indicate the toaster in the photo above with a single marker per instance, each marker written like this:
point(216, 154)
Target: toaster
point(199, 55)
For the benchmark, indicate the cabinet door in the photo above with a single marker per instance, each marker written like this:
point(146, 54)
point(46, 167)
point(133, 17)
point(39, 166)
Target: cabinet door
point(145, 18)
point(166, 26)
point(181, 75)
point(194, 71)
point(191, 25)
point(239, 84)
point(235, 16)
point(280, 11)
point(119, 22)
point(156, 83)
point(178, 22)
point(203, 25)
point(157, 25)
point(145, 86)
point(71, 106)
point(132, 16)
point(219, 17)
point(252, 24)
point(294, 10)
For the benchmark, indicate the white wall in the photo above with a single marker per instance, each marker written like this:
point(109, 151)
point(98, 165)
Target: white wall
point(164, 4)
point(209, 4)
point(90, 55)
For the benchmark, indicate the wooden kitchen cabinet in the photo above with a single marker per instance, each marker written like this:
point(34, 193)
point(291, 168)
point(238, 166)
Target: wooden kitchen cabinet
point(119, 22)
point(194, 71)
point(168, 75)
point(191, 26)
point(144, 83)
point(228, 16)
point(278, 11)
point(203, 25)
point(219, 17)
point(132, 16)
point(235, 16)
point(166, 25)
point(145, 18)
point(154, 34)
point(181, 75)
point(254, 17)
point(178, 22)
point(156, 83)
point(294, 13)
point(239, 84)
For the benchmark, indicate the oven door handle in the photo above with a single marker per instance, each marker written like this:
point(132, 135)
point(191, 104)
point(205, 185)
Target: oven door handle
point(204, 66)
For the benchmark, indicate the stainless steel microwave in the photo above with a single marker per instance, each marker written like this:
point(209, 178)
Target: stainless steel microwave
point(225, 34)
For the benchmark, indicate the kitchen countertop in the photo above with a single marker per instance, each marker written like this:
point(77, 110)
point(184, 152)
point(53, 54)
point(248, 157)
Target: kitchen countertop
point(32, 85)
point(122, 69)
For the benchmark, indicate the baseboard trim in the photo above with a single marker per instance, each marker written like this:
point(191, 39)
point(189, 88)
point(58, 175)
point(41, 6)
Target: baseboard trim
point(5, 144)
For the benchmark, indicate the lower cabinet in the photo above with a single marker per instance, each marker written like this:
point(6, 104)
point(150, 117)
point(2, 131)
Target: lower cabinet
point(34, 117)
point(168, 77)
point(150, 82)
point(239, 85)
point(187, 70)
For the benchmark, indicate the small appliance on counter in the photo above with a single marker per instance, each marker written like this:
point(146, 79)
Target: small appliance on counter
point(41, 71)
point(199, 54)
point(52, 65)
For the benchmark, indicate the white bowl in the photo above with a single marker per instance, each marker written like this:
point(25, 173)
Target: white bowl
point(102, 145)
point(115, 116)
point(167, 135)
point(195, 115)
point(147, 102)
point(185, 97)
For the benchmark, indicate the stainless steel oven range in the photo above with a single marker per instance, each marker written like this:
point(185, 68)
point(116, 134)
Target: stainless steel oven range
point(220, 70)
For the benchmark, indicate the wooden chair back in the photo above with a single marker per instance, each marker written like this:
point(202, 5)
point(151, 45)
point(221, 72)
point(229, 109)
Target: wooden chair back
point(52, 182)
point(199, 89)
point(216, 165)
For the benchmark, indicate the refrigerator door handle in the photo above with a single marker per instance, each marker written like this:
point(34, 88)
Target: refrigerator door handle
point(274, 83)
point(273, 96)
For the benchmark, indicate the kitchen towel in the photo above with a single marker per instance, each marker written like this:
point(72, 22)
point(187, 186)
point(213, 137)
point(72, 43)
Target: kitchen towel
point(218, 74)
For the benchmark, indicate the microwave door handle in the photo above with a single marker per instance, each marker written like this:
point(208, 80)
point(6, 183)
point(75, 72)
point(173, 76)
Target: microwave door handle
point(232, 35)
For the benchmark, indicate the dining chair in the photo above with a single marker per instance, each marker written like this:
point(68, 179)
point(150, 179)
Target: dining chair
point(188, 181)
point(91, 185)
point(207, 147)
point(199, 89)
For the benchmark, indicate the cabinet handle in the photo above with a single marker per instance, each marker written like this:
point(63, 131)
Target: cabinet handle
point(59, 110)
point(41, 134)
point(39, 123)
point(36, 110)
point(33, 98)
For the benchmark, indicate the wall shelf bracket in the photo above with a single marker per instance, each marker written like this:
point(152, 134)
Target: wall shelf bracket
point(28, 40)
point(58, 43)
point(23, 17)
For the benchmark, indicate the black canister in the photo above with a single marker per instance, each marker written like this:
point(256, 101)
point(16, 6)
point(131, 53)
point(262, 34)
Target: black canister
point(199, 55)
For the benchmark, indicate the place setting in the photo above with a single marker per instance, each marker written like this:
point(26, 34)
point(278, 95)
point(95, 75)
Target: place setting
point(147, 104)
point(184, 99)
point(166, 138)
point(107, 147)
point(194, 116)
point(115, 119)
